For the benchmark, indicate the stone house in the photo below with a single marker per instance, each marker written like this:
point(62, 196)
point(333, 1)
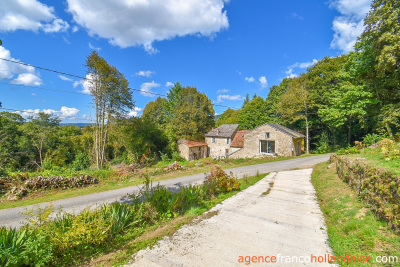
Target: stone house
point(192, 150)
point(219, 140)
point(269, 139)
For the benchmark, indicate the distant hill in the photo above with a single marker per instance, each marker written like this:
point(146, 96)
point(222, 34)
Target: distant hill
point(79, 124)
point(217, 116)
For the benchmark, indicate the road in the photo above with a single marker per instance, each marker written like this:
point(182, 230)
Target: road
point(278, 218)
point(14, 217)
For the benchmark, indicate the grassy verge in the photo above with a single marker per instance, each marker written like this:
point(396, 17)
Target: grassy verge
point(352, 228)
point(123, 250)
point(109, 181)
point(75, 239)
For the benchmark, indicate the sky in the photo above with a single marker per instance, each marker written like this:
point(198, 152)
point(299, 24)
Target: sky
point(224, 48)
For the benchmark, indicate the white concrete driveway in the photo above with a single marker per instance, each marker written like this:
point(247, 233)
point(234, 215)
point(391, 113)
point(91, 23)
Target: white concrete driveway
point(278, 217)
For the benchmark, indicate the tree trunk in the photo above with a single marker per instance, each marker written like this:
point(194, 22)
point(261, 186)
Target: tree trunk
point(349, 130)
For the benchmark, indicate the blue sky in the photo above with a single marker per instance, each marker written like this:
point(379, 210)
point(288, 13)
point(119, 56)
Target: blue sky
point(224, 48)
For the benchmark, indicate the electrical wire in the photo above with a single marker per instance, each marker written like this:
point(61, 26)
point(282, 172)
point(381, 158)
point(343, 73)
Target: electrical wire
point(84, 78)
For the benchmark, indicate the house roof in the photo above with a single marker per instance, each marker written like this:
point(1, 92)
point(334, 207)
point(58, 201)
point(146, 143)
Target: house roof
point(192, 143)
point(225, 130)
point(283, 129)
point(238, 140)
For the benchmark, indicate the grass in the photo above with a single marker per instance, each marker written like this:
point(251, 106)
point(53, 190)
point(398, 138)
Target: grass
point(352, 228)
point(374, 157)
point(109, 181)
point(122, 251)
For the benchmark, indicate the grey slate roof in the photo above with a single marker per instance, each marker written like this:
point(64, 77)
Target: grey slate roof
point(225, 130)
point(284, 130)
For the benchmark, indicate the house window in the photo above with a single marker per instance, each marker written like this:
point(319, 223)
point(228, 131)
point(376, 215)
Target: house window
point(267, 146)
point(226, 151)
point(228, 141)
point(266, 135)
point(213, 140)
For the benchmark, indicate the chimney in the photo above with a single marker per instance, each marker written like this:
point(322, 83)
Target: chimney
point(217, 131)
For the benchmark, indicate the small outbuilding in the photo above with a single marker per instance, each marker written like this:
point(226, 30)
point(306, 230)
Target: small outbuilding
point(192, 150)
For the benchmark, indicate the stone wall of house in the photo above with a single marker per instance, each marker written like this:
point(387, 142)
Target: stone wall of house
point(192, 153)
point(283, 143)
point(183, 151)
point(220, 148)
point(197, 152)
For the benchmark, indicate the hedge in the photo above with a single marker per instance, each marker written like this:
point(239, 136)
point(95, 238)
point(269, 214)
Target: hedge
point(378, 187)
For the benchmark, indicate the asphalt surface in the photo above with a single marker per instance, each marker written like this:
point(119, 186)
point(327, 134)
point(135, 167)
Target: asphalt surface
point(15, 218)
point(278, 218)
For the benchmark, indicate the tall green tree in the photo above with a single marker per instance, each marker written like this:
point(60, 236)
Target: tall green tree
point(42, 134)
point(192, 116)
point(274, 97)
point(229, 116)
point(13, 154)
point(111, 99)
point(296, 104)
point(155, 111)
point(253, 114)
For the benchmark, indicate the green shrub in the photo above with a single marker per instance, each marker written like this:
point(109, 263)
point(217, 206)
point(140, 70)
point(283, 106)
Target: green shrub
point(347, 151)
point(80, 162)
point(379, 188)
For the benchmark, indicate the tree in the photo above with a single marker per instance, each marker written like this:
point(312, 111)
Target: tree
point(173, 99)
point(274, 97)
point(347, 104)
point(155, 111)
point(111, 99)
point(12, 153)
point(42, 132)
point(296, 103)
point(192, 116)
point(253, 114)
point(141, 136)
point(229, 116)
point(378, 60)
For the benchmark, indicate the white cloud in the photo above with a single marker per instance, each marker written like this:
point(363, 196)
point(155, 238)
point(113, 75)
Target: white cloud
point(33, 94)
point(63, 113)
point(220, 98)
point(222, 91)
point(134, 112)
point(145, 88)
point(29, 15)
point(67, 112)
point(84, 83)
point(62, 77)
point(58, 25)
point(145, 73)
point(93, 47)
point(290, 74)
point(169, 84)
point(296, 16)
point(299, 65)
point(249, 79)
point(263, 81)
point(142, 22)
point(350, 24)
point(303, 65)
point(29, 79)
point(9, 69)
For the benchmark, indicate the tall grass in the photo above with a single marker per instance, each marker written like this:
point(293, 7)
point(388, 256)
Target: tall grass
point(69, 237)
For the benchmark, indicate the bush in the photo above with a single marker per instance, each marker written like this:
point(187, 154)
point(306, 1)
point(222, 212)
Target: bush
point(377, 187)
point(81, 162)
point(347, 151)
point(371, 139)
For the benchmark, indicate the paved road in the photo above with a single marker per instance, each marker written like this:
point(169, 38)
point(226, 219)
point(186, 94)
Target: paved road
point(279, 216)
point(14, 218)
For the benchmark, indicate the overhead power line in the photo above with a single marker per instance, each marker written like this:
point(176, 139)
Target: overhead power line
point(84, 78)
